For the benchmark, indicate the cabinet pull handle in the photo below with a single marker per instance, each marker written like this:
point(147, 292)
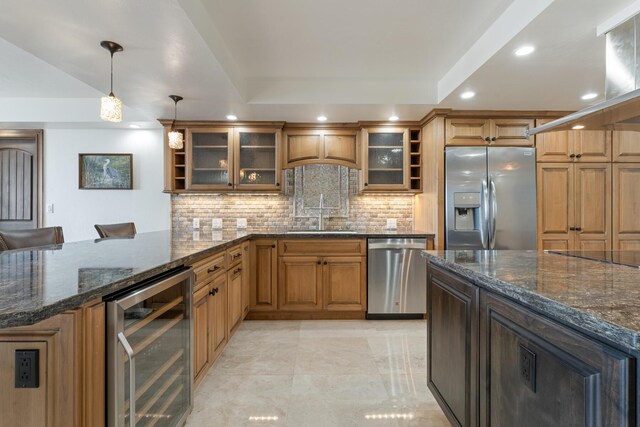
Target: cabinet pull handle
point(572, 155)
point(132, 377)
point(572, 228)
point(578, 156)
point(213, 292)
point(578, 228)
point(237, 270)
point(487, 139)
point(493, 139)
point(214, 268)
point(236, 256)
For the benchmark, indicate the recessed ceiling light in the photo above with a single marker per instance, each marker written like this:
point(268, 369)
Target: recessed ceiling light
point(322, 118)
point(232, 117)
point(394, 118)
point(134, 126)
point(590, 95)
point(467, 95)
point(578, 127)
point(525, 50)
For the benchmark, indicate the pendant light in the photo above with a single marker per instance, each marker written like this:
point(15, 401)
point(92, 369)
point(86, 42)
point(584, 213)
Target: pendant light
point(175, 137)
point(111, 106)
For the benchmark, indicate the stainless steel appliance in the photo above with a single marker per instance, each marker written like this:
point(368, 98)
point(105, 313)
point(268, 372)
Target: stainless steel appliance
point(491, 198)
point(149, 336)
point(397, 278)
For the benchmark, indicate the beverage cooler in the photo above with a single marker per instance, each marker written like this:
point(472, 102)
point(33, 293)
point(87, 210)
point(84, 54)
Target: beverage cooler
point(149, 335)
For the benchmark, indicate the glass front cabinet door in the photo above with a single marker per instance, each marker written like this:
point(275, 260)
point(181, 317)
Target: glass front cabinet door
point(385, 159)
point(257, 159)
point(210, 159)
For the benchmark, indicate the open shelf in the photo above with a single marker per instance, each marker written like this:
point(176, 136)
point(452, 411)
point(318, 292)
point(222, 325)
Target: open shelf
point(386, 170)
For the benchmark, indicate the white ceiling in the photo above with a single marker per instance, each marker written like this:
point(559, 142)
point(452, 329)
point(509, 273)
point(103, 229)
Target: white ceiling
point(293, 59)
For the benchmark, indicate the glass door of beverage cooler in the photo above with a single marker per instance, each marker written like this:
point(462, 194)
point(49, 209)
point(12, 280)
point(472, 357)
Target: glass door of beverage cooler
point(149, 337)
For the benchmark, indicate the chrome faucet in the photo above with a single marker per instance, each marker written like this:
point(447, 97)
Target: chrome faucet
point(321, 214)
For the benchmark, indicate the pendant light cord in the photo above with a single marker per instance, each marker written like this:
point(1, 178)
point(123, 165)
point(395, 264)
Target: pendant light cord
point(111, 93)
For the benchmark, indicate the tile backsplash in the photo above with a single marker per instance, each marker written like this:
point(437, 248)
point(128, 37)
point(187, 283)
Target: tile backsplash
point(366, 211)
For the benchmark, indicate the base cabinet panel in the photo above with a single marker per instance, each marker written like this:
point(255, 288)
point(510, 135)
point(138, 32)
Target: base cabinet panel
point(345, 284)
point(264, 275)
point(217, 317)
point(300, 283)
point(452, 345)
point(200, 333)
point(234, 299)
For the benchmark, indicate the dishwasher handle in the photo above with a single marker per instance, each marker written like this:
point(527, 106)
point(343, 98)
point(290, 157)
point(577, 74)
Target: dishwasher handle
point(378, 246)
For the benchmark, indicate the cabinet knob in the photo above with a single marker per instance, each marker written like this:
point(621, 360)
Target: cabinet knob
point(493, 139)
point(325, 263)
point(365, 184)
point(572, 155)
point(572, 228)
point(237, 270)
point(213, 291)
point(578, 228)
point(487, 139)
point(578, 156)
point(319, 263)
point(273, 246)
point(230, 184)
point(214, 268)
point(277, 184)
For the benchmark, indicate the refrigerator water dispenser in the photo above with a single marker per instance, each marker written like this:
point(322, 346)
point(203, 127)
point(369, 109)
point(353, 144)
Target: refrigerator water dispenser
point(467, 211)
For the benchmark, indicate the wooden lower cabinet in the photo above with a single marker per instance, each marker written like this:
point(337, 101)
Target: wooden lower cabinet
point(246, 279)
point(519, 367)
point(300, 284)
point(626, 207)
point(235, 311)
point(218, 332)
point(342, 279)
point(452, 346)
point(264, 275)
point(200, 333)
point(71, 387)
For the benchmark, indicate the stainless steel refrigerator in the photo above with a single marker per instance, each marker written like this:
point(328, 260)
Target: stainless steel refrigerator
point(491, 198)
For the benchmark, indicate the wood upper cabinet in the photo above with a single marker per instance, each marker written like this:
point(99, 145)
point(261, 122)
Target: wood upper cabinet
point(575, 381)
point(478, 131)
point(452, 346)
point(300, 283)
point(626, 207)
point(386, 159)
point(257, 159)
point(209, 159)
point(574, 206)
point(343, 279)
point(580, 146)
point(264, 275)
point(626, 146)
point(309, 146)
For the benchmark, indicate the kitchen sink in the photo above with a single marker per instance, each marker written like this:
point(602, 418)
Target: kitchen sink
point(321, 232)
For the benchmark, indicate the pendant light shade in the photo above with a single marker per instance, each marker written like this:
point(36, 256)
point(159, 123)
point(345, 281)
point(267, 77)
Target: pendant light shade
point(110, 105)
point(176, 139)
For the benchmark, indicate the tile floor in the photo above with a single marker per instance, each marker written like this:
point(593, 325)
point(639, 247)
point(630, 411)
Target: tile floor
point(320, 373)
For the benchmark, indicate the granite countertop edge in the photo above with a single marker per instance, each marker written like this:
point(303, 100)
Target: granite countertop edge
point(574, 317)
point(30, 317)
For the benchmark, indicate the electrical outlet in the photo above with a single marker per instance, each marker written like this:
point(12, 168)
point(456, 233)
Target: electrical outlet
point(216, 223)
point(196, 222)
point(26, 368)
point(528, 367)
point(50, 208)
point(392, 223)
point(241, 223)
point(196, 236)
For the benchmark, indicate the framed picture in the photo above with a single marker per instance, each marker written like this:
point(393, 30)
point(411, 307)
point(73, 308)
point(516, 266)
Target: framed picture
point(106, 172)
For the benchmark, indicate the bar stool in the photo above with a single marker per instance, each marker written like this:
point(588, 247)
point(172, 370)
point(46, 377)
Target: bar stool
point(30, 238)
point(125, 229)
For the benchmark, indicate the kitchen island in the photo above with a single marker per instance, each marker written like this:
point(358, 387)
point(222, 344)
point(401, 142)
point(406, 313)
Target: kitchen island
point(52, 303)
point(531, 338)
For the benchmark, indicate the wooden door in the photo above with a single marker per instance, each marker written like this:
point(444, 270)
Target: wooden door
point(300, 284)
point(591, 145)
point(452, 345)
point(626, 206)
point(510, 132)
point(257, 159)
point(234, 299)
point(467, 132)
point(217, 317)
point(574, 381)
point(20, 179)
point(341, 147)
point(386, 159)
point(209, 159)
point(246, 278)
point(200, 333)
point(302, 146)
point(592, 184)
point(555, 200)
point(344, 283)
point(553, 146)
point(626, 146)
point(264, 277)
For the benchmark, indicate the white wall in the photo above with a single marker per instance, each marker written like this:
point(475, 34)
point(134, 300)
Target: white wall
point(78, 210)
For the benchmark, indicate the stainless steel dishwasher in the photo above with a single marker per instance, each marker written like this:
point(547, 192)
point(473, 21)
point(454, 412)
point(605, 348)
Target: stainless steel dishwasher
point(397, 279)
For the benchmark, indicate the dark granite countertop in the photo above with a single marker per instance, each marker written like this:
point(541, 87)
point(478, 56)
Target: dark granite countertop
point(38, 284)
point(598, 298)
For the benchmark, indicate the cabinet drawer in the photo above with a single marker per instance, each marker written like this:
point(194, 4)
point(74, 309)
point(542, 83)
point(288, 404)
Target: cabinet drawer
point(321, 247)
point(208, 268)
point(234, 256)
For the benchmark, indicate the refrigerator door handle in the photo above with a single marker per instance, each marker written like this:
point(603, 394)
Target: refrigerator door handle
point(484, 220)
point(494, 213)
point(132, 378)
